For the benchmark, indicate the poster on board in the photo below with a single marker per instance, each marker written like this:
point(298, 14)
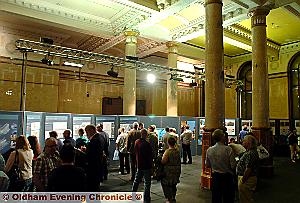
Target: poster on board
point(8, 131)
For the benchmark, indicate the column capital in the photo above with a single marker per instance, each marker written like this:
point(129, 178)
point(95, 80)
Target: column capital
point(131, 33)
point(258, 15)
point(213, 2)
point(172, 47)
point(131, 36)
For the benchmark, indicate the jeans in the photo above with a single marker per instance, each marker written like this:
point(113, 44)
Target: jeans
point(147, 183)
point(186, 150)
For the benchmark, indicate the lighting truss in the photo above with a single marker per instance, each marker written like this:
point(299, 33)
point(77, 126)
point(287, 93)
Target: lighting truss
point(76, 54)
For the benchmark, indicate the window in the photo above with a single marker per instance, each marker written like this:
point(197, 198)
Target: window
point(245, 92)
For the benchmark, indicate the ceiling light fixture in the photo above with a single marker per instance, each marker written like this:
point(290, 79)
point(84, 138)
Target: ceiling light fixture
point(47, 61)
point(112, 73)
point(151, 78)
point(79, 65)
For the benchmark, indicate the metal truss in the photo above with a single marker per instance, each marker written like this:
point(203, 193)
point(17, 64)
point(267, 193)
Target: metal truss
point(80, 55)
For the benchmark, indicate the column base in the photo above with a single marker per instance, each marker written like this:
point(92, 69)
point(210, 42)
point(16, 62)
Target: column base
point(265, 137)
point(205, 181)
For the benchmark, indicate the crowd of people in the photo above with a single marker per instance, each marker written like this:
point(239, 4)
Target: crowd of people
point(141, 154)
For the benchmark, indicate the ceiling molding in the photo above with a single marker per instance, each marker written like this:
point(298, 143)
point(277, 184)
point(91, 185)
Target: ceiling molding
point(173, 9)
point(293, 9)
point(111, 43)
point(244, 36)
point(150, 48)
point(294, 47)
point(54, 10)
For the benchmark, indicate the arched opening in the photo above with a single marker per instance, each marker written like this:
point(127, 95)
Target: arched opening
point(294, 87)
point(245, 92)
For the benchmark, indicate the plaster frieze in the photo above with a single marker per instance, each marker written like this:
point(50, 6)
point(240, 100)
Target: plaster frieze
point(152, 49)
point(232, 13)
point(148, 46)
point(111, 43)
point(294, 47)
point(173, 9)
point(56, 10)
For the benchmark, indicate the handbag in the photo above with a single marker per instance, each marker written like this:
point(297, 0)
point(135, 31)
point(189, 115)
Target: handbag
point(116, 155)
point(14, 174)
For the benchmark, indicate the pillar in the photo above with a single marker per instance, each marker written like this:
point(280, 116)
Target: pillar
point(172, 84)
point(214, 80)
point(260, 85)
point(129, 90)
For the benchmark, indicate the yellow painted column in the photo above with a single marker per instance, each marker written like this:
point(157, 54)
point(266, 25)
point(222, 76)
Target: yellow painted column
point(260, 85)
point(129, 90)
point(214, 80)
point(172, 84)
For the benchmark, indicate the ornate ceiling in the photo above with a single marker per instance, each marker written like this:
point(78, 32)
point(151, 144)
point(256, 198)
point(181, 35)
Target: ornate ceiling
point(98, 25)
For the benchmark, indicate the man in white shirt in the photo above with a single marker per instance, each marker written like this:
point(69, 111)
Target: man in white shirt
point(220, 158)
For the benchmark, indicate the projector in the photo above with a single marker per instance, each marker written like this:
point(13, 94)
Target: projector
point(112, 73)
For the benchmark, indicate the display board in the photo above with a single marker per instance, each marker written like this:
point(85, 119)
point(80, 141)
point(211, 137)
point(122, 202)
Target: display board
point(8, 130)
point(108, 124)
point(80, 122)
point(58, 123)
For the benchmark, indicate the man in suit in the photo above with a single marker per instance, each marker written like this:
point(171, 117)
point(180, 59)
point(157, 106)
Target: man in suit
point(94, 154)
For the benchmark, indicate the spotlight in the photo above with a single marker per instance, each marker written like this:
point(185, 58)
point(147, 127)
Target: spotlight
point(79, 65)
point(133, 58)
point(112, 73)
point(47, 61)
point(151, 78)
point(193, 84)
point(174, 77)
point(46, 40)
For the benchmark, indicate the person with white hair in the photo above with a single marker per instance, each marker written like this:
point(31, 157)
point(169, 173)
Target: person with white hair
point(247, 169)
point(133, 135)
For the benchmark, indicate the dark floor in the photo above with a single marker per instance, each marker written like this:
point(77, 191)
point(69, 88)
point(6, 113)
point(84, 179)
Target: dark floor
point(282, 187)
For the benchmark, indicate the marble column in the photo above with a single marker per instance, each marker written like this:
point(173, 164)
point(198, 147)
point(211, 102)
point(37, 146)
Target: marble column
point(260, 85)
point(129, 90)
point(172, 84)
point(214, 80)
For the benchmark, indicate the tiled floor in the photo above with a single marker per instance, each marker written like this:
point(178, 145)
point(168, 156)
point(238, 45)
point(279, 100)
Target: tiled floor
point(283, 187)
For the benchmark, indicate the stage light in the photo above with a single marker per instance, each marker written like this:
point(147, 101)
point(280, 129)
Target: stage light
point(133, 58)
point(79, 65)
point(193, 84)
point(112, 73)
point(47, 61)
point(151, 78)
point(46, 40)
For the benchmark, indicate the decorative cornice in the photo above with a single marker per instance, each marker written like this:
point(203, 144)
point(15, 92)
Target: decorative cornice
point(111, 43)
point(175, 8)
point(294, 47)
point(232, 13)
point(63, 12)
point(150, 48)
